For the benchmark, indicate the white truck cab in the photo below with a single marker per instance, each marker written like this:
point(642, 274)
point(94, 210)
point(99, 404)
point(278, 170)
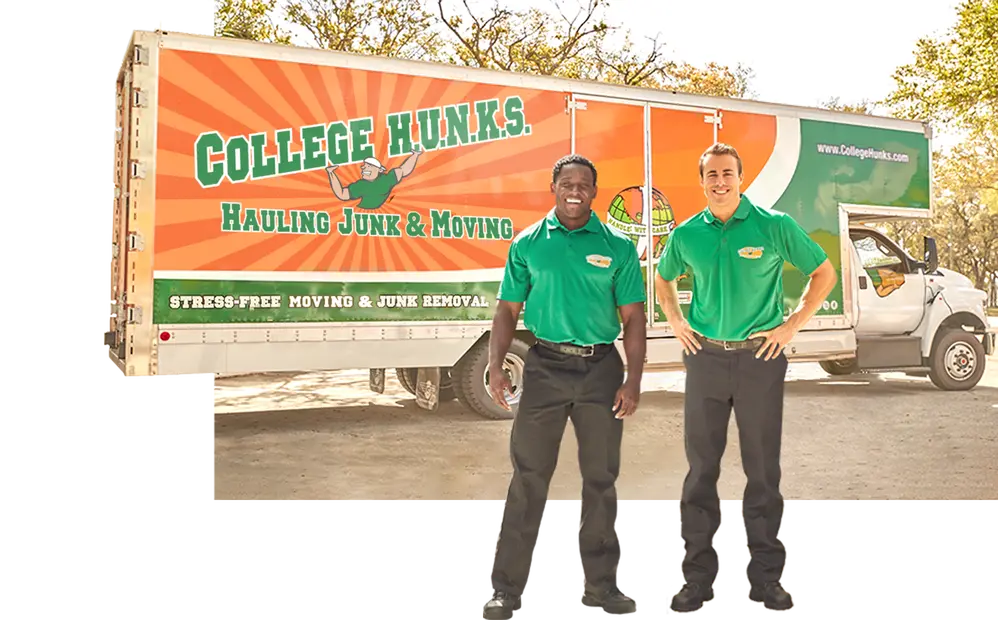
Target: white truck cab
point(913, 316)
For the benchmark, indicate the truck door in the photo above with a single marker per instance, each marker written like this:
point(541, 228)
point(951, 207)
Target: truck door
point(115, 339)
point(614, 135)
point(890, 289)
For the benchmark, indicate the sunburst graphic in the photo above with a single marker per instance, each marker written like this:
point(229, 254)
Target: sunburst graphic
point(238, 96)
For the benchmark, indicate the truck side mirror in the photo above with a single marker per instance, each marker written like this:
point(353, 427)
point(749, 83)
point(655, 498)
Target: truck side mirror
point(931, 255)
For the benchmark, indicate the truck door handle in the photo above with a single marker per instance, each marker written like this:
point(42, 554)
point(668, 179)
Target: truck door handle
point(862, 282)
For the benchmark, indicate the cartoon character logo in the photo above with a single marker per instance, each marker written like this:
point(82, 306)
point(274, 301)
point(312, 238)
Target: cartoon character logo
point(599, 261)
point(751, 253)
point(376, 182)
point(626, 212)
point(886, 281)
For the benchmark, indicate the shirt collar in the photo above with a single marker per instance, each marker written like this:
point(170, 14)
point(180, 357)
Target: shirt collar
point(742, 212)
point(552, 221)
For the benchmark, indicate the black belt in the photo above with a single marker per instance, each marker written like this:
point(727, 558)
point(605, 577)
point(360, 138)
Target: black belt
point(733, 345)
point(574, 349)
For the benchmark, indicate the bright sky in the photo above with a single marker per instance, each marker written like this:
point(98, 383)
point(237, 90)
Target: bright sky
point(800, 56)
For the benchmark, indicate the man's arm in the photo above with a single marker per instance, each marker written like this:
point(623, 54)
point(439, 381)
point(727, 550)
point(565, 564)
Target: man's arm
point(797, 247)
point(513, 292)
point(407, 166)
point(819, 285)
point(635, 324)
point(503, 326)
point(334, 182)
point(668, 298)
point(670, 267)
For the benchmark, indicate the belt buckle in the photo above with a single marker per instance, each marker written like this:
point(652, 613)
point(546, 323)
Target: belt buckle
point(728, 346)
point(588, 350)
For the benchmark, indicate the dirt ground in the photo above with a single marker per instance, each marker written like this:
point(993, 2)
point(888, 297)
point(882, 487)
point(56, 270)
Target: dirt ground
point(326, 436)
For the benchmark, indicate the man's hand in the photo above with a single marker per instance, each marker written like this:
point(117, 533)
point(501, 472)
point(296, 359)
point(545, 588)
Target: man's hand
point(499, 386)
point(776, 340)
point(627, 400)
point(687, 337)
point(332, 167)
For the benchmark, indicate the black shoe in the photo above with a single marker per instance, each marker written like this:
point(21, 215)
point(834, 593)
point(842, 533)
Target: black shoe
point(772, 595)
point(501, 606)
point(610, 599)
point(692, 597)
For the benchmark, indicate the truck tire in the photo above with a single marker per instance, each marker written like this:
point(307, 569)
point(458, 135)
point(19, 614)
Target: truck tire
point(471, 376)
point(840, 367)
point(407, 377)
point(957, 361)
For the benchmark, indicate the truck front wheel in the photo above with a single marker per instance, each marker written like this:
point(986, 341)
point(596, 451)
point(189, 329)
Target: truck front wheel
point(840, 367)
point(957, 361)
point(471, 378)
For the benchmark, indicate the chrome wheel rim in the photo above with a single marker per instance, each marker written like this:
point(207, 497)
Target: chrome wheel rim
point(960, 361)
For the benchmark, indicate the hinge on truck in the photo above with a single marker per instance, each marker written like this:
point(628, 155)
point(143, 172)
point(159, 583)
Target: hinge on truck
point(138, 170)
point(713, 119)
point(135, 242)
point(575, 105)
point(133, 315)
point(141, 55)
point(139, 99)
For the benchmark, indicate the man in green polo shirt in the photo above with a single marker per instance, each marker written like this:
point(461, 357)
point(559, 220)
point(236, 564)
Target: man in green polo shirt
point(733, 341)
point(578, 280)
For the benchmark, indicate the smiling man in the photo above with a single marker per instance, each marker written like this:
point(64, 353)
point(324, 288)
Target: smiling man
point(734, 340)
point(581, 279)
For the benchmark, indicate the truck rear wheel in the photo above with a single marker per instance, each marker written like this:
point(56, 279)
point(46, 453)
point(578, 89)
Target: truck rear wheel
point(407, 377)
point(471, 378)
point(840, 367)
point(957, 361)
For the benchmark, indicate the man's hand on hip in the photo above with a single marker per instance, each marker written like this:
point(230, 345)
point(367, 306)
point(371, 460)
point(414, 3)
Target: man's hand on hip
point(776, 340)
point(687, 337)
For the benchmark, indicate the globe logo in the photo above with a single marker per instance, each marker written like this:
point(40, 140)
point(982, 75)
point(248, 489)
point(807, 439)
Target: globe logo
point(626, 214)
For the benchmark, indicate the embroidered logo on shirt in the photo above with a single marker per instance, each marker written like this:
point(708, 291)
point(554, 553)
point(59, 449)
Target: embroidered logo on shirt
point(750, 252)
point(599, 261)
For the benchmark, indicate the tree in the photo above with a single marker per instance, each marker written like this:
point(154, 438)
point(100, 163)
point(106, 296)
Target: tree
point(954, 78)
point(965, 228)
point(864, 106)
point(248, 19)
point(580, 46)
point(392, 28)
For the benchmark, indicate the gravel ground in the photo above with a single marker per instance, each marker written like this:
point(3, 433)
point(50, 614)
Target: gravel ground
point(326, 436)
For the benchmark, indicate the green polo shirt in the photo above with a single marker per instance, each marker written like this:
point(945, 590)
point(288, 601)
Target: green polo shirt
point(571, 282)
point(737, 268)
point(373, 193)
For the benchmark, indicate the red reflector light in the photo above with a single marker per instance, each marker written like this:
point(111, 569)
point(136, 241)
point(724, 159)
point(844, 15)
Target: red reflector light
point(164, 336)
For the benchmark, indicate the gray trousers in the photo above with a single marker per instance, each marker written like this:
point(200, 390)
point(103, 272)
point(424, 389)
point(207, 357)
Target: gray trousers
point(556, 387)
point(716, 381)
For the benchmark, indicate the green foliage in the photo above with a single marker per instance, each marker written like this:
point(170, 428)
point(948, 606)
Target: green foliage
point(540, 41)
point(248, 19)
point(954, 78)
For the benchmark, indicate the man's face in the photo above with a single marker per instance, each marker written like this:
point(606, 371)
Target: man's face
point(368, 171)
point(721, 181)
point(574, 190)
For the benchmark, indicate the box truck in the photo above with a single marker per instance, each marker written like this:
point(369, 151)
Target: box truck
point(290, 209)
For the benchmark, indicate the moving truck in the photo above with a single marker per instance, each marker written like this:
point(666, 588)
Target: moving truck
point(290, 209)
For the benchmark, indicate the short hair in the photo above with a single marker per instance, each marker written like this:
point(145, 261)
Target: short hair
point(720, 148)
point(572, 159)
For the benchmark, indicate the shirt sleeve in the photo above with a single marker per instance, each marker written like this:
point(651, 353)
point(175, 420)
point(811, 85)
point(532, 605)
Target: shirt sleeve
point(671, 265)
point(797, 248)
point(628, 284)
point(515, 283)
